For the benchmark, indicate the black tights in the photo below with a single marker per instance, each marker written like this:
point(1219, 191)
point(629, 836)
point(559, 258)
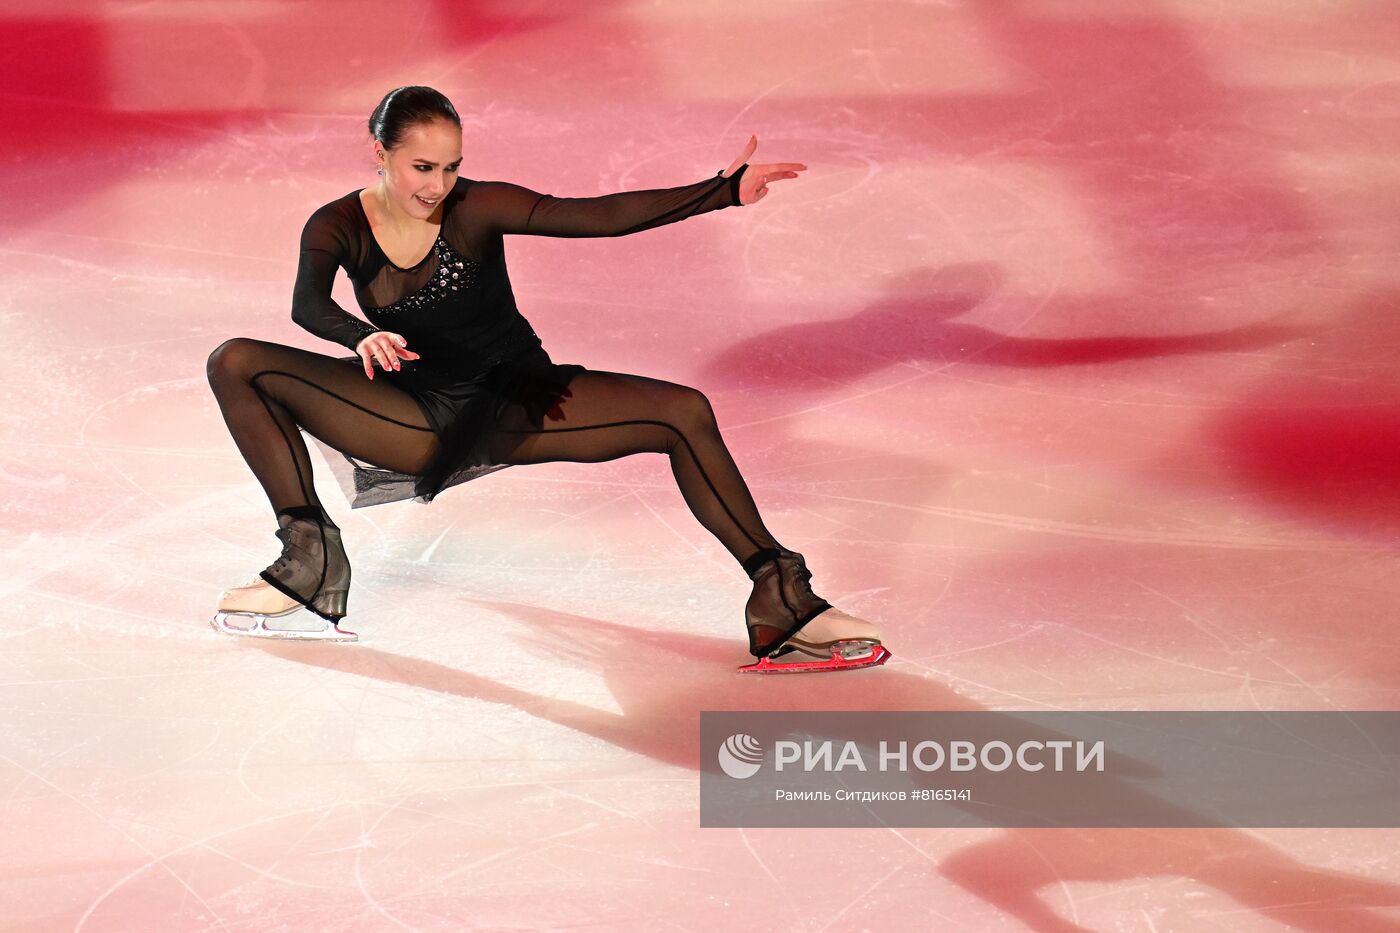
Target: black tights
point(267, 391)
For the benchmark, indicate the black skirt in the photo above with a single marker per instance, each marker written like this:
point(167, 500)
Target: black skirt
point(464, 412)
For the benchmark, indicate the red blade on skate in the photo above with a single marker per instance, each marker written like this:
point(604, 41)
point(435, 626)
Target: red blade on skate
point(878, 655)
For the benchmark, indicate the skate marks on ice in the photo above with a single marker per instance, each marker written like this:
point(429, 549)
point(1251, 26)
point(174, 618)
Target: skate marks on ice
point(662, 680)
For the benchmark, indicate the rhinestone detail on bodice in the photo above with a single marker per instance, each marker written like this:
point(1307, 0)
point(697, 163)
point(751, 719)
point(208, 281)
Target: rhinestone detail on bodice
point(454, 272)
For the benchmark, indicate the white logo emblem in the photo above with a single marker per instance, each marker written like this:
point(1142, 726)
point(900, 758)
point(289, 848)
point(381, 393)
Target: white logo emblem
point(741, 756)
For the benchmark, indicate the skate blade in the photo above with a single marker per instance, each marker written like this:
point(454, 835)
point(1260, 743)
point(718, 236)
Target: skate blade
point(845, 656)
point(259, 629)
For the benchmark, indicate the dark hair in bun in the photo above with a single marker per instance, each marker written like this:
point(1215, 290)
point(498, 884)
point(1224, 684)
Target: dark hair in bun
point(406, 107)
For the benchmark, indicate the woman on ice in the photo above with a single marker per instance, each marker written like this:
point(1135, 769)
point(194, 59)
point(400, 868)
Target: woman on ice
point(463, 386)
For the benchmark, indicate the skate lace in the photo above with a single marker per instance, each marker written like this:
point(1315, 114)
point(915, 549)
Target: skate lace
point(802, 579)
point(285, 534)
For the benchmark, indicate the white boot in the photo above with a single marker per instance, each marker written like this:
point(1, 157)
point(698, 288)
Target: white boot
point(793, 629)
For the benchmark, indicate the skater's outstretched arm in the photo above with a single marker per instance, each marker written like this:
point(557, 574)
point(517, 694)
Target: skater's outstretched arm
point(511, 208)
point(323, 250)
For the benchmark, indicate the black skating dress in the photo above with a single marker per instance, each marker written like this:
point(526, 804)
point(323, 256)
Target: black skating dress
point(455, 308)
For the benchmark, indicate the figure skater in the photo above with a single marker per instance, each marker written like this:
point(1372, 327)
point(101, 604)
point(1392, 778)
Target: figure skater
point(464, 387)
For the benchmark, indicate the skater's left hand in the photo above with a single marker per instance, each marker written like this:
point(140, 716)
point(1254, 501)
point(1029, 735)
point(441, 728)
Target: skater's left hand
point(754, 183)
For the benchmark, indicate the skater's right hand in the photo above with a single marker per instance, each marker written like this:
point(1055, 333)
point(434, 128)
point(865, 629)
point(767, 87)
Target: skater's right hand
point(385, 347)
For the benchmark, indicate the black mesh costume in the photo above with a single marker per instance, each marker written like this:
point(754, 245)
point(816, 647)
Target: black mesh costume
point(456, 310)
point(483, 396)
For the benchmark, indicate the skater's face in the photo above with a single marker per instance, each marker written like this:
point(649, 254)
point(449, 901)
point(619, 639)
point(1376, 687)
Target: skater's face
point(423, 168)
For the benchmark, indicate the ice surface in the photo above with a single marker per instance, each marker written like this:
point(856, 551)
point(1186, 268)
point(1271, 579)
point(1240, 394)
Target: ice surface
point(1071, 362)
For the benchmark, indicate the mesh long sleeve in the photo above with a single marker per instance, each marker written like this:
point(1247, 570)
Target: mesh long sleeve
point(323, 249)
point(511, 208)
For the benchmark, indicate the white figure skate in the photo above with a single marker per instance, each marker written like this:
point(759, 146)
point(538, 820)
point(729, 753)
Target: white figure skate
point(313, 561)
point(792, 630)
point(245, 610)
